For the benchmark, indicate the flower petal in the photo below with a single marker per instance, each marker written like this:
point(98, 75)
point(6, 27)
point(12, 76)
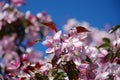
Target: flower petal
point(50, 50)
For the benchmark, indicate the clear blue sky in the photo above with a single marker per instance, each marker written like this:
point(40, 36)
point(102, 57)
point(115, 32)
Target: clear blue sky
point(96, 12)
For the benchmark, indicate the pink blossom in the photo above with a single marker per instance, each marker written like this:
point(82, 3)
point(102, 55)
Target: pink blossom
point(48, 42)
point(52, 41)
point(101, 57)
point(45, 67)
point(116, 44)
point(5, 42)
point(102, 76)
point(31, 35)
point(17, 2)
point(102, 53)
point(95, 33)
point(31, 55)
point(43, 17)
point(11, 60)
point(30, 17)
point(24, 57)
point(72, 42)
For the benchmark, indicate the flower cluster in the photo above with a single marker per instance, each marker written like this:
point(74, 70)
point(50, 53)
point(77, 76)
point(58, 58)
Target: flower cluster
point(79, 53)
point(82, 59)
point(18, 33)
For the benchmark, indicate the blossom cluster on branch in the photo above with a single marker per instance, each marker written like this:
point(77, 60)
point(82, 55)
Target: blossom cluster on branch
point(79, 53)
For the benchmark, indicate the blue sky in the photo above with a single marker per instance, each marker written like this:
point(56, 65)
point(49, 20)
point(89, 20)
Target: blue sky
point(96, 12)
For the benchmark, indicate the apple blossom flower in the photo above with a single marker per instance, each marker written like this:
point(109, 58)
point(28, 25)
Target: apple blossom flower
point(11, 61)
point(52, 42)
point(116, 44)
point(102, 76)
point(73, 54)
point(17, 2)
point(45, 67)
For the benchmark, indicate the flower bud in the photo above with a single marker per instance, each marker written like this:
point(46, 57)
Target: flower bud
point(10, 74)
point(24, 57)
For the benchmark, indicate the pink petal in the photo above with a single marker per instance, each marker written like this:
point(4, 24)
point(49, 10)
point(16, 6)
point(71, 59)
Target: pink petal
point(11, 61)
point(47, 43)
point(50, 50)
point(77, 61)
point(78, 44)
point(17, 2)
point(56, 37)
point(64, 45)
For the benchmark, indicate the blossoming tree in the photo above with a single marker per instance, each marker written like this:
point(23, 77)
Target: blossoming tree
point(80, 53)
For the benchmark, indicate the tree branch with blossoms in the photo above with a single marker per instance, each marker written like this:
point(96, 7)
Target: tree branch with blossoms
point(79, 53)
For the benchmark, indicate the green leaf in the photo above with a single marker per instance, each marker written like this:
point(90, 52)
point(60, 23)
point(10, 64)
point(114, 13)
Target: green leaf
point(112, 57)
point(73, 75)
point(59, 76)
point(55, 71)
point(106, 40)
point(104, 45)
point(46, 78)
point(118, 54)
point(38, 76)
point(114, 28)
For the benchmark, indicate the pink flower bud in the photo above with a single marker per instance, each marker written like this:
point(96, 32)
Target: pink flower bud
point(10, 74)
point(43, 13)
point(24, 57)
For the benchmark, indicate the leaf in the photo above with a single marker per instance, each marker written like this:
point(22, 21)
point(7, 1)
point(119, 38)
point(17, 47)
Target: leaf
point(46, 78)
point(81, 29)
point(59, 76)
point(104, 45)
point(114, 28)
point(55, 71)
point(118, 54)
point(106, 40)
point(51, 25)
point(112, 57)
point(38, 76)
